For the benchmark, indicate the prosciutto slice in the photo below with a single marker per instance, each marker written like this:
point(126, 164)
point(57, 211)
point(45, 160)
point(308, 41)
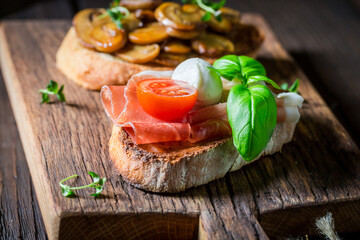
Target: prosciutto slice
point(219, 112)
point(210, 129)
point(123, 108)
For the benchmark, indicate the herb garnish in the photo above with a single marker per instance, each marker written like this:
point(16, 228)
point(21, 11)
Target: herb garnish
point(52, 89)
point(98, 184)
point(293, 88)
point(251, 107)
point(211, 8)
point(116, 13)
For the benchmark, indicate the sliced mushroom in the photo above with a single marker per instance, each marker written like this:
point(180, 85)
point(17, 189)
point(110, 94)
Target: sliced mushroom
point(145, 15)
point(108, 37)
point(247, 38)
point(176, 47)
point(133, 5)
point(170, 60)
point(231, 14)
point(186, 35)
point(180, 18)
point(229, 19)
point(151, 33)
point(224, 26)
point(212, 45)
point(83, 26)
point(96, 33)
point(131, 22)
point(139, 53)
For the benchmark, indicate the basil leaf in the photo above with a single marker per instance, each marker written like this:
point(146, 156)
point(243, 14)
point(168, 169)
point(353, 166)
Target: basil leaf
point(240, 67)
point(229, 67)
point(252, 117)
point(255, 79)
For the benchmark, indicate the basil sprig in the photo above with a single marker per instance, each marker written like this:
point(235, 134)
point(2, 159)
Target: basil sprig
point(251, 107)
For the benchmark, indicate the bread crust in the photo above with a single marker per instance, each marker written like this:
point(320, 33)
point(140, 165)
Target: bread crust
point(91, 69)
point(177, 166)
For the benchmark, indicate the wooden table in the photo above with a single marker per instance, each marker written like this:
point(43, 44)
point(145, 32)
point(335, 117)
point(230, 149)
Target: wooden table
point(329, 56)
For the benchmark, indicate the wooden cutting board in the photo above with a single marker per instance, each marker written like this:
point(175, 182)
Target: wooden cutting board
point(277, 196)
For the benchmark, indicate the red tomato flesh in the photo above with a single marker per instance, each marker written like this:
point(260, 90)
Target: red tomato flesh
point(166, 99)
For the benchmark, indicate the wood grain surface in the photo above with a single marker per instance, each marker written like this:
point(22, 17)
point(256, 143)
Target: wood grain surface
point(319, 169)
point(19, 210)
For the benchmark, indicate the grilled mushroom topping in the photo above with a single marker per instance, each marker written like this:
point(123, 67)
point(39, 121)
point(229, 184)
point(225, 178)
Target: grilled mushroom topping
point(151, 33)
point(100, 34)
point(170, 60)
point(176, 47)
point(139, 53)
point(180, 18)
point(212, 45)
point(133, 5)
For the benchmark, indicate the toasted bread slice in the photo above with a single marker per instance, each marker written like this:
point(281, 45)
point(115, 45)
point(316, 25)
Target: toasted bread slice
point(91, 69)
point(176, 166)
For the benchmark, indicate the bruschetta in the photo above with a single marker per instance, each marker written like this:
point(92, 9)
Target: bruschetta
point(179, 129)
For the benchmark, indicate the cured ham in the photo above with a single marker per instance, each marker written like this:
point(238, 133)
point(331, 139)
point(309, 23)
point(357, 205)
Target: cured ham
point(210, 129)
point(287, 110)
point(144, 133)
point(123, 108)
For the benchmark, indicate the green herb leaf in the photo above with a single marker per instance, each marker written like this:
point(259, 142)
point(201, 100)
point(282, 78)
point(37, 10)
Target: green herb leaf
point(116, 2)
point(294, 87)
point(52, 89)
point(98, 189)
point(95, 177)
point(65, 189)
point(229, 67)
point(284, 86)
point(207, 17)
point(258, 78)
point(52, 86)
point(239, 67)
point(188, 1)
point(66, 192)
point(45, 98)
point(116, 13)
point(252, 117)
point(97, 184)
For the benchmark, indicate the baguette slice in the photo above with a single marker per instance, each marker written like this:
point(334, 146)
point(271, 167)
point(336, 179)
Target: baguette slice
point(176, 166)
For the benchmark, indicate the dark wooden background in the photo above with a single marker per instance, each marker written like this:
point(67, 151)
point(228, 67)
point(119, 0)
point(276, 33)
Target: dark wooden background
point(323, 36)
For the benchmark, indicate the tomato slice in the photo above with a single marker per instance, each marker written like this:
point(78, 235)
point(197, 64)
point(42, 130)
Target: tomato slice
point(166, 99)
